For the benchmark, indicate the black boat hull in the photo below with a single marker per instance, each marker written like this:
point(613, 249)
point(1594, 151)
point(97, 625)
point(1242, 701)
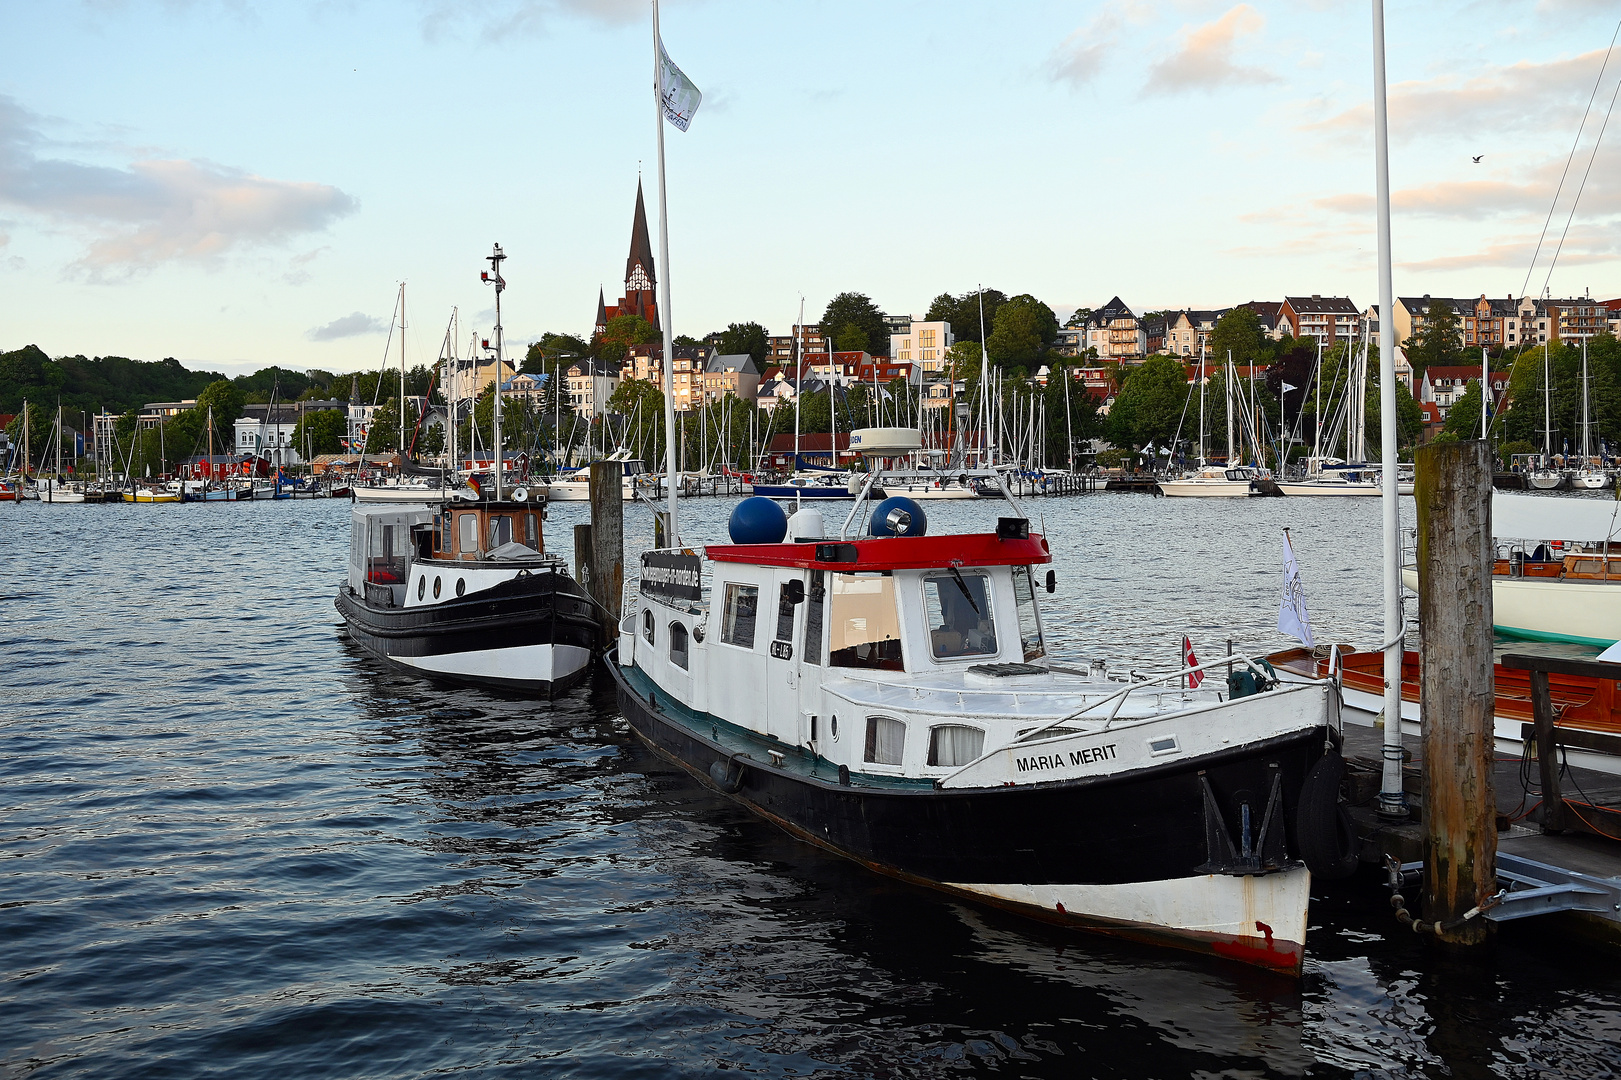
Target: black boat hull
point(536, 632)
point(1127, 855)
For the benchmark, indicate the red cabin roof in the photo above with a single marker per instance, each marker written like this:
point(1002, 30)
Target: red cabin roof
point(890, 552)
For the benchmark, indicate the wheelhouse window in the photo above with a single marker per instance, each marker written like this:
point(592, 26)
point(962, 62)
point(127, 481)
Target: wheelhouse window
point(816, 600)
point(678, 645)
point(531, 528)
point(647, 624)
point(1024, 599)
point(500, 531)
point(955, 744)
point(866, 628)
point(958, 609)
point(738, 614)
point(467, 538)
point(785, 612)
point(886, 741)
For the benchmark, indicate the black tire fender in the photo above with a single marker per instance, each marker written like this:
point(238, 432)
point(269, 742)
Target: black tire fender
point(1323, 827)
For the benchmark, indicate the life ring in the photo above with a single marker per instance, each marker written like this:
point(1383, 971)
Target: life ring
point(1323, 827)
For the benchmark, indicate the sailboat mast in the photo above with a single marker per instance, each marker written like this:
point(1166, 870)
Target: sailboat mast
point(1392, 797)
point(1485, 393)
point(1232, 372)
point(401, 439)
point(673, 539)
point(1201, 405)
point(1585, 416)
point(1547, 411)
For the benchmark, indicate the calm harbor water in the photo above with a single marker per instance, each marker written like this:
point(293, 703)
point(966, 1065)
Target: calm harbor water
point(231, 844)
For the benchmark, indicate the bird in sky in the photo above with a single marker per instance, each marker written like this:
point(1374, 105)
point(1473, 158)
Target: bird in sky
point(1477, 158)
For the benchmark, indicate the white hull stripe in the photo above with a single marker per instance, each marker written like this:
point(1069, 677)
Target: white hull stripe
point(1214, 905)
point(523, 663)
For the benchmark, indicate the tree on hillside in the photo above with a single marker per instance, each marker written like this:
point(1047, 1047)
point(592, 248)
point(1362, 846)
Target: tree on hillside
point(1436, 343)
point(1025, 328)
point(1463, 418)
point(321, 432)
point(1078, 318)
point(963, 312)
point(1149, 405)
point(1238, 331)
point(624, 331)
point(749, 337)
point(853, 322)
point(552, 349)
point(1081, 422)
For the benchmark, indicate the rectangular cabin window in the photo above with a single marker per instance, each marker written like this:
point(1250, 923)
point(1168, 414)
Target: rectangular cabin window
point(957, 608)
point(467, 540)
point(500, 531)
point(1024, 598)
point(866, 626)
point(737, 615)
point(441, 532)
point(953, 745)
point(817, 598)
point(531, 529)
point(886, 739)
point(785, 612)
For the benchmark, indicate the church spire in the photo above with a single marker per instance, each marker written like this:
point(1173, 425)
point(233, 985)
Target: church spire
point(602, 312)
point(640, 279)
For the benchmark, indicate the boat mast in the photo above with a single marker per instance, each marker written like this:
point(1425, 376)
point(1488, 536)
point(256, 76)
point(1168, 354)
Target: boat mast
point(1392, 797)
point(495, 259)
point(1485, 392)
point(1232, 373)
point(673, 537)
point(1201, 404)
point(401, 439)
point(1585, 439)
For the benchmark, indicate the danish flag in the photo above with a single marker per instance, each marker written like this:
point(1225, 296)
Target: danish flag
point(1189, 660)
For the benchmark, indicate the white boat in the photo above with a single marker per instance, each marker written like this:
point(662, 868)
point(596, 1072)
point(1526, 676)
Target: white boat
point(1589, 478)
point(405, 491)
point(1213, 481)
point(49, 490)
point(887, 695)
point(1545, 479)
point(1332, 483)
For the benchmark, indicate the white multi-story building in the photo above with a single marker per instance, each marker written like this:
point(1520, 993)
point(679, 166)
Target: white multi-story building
point(924, 344)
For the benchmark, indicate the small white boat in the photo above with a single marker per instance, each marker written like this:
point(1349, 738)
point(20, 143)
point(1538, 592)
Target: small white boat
point(1545, 479)
point(54, 491)
point(1213, 481)
point(1588, 478)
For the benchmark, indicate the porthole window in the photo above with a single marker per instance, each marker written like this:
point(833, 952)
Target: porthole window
point(422, 586)
point(647, 624)
point(436, 588)
point(461, 586)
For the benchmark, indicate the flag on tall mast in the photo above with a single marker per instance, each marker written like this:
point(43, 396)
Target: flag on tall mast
point(677, 102)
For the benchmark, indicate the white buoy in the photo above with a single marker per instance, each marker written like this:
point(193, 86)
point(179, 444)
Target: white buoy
point(806, 524)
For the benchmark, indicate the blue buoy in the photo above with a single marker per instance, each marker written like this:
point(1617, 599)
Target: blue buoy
point(899, 516)
point(758, 520)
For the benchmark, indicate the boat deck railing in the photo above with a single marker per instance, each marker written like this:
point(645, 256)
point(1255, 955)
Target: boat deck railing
point(1141, 683)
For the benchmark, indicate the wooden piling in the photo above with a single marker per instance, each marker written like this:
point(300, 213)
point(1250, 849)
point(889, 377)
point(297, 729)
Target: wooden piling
point(584, 570)
point(607, 584)
point(1454, 491)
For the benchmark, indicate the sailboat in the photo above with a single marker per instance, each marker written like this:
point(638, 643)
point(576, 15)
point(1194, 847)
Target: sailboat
point(1587, 475)
point(1545, 477)
point(1208, 479)
point(402, 488)
point(51, 489)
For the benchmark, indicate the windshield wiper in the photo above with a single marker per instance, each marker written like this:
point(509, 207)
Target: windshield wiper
point(963, 585)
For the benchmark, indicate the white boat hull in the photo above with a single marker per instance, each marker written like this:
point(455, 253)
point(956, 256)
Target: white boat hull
point(1547, 609)
point(1206, 488)
point(385, 494)
point(1329, 490)
point(1219, 907)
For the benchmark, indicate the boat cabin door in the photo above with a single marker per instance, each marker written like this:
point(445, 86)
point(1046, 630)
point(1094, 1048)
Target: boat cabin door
point(783, 669)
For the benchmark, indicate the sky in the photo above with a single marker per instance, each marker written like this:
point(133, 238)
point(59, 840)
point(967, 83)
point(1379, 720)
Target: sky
point(238, 184)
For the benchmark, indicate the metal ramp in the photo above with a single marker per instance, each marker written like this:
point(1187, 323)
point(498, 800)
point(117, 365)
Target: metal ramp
point(1527, 887)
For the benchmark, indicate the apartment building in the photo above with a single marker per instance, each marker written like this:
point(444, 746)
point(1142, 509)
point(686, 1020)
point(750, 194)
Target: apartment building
point(1188, 331)
point(1116, 333)
point(1443, 386)
point(1330, 319)
point(923, 343)
point(730, 375)
point(590, 384)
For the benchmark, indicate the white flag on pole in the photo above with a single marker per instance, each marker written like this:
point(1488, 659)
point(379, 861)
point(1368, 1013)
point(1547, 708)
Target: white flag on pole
point(1292, 617)
point(676, 91)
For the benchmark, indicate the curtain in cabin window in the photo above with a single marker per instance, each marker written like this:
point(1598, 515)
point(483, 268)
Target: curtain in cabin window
point(886, 739)
point(955, 744)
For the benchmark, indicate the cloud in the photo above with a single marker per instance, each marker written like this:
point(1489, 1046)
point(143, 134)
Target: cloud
point(352, 325)
point(1205, 58)
point(1078, 59)
point(296, 273)
point(1500, 100)
point(1585, 246)
point(500, 19)
point(1526, 198)
point(155, 211)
